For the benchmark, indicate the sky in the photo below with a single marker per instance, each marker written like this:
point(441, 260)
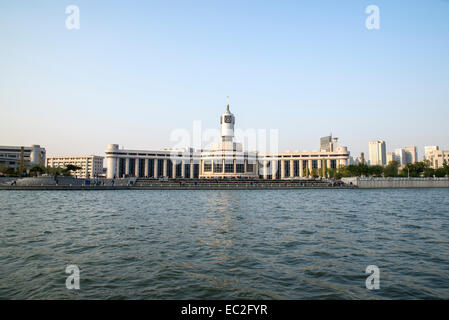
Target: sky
point(137, 70)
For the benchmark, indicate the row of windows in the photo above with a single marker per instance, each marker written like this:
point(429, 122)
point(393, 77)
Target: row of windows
point(296, 167)
point(229, 167)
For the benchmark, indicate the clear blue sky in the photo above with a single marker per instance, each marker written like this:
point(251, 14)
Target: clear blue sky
point(136, 70)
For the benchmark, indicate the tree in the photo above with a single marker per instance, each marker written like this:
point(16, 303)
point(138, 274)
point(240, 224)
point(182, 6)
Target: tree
point(416, 169)
point(69, 168)
point(440, 172)
point(375, 171)
point(314, 173)
point(331, 173)
point(392, 169)
point(37, 169)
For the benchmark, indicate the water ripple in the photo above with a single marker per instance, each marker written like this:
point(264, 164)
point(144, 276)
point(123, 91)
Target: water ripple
point(278, 244)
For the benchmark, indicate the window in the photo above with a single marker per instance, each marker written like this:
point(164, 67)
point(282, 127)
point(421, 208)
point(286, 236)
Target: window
point(207, 165)
point(334, 164)
point(187, 170)
point(296, 168)
point(160, 168)
point(240, 168)
point(229, 167)
point(178, 169)
point(287, 168)
point(169, 168)
point(218, 167)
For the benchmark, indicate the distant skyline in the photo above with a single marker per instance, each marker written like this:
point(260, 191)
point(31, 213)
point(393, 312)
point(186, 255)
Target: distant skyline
point(137, 70)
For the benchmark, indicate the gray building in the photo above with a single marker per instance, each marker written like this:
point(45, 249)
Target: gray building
point(17, 157)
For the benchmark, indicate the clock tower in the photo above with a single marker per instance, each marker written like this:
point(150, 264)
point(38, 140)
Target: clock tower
point(227, 121)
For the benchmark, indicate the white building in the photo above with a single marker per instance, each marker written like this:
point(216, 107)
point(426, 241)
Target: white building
point(91, 166)
point(437, 158)
point(22, 158)
point(406, 155)
point(411, 154)
point(391, 157)
point(400, 156)
point(428, 150)
point(226, 159)
point(377, 153)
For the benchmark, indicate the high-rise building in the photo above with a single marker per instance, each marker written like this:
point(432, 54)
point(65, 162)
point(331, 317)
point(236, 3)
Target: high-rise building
point(390, 157)
point(401, 156)
point(377, 153)
point(428, 150)
point(325, 143)
point(406, 155)
point(328, 144)
point(411, 154)
point(437, 158)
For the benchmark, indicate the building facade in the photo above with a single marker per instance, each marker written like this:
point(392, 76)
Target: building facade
point(226, 159)
point(91, 166)
point(377, 153)
point(438, 158)
point(428, 150)
point(22, 158)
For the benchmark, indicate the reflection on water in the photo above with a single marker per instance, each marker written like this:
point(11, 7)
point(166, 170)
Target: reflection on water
point(279, 244)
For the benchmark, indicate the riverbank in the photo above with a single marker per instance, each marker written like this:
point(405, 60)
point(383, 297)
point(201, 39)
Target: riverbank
point(397, 183)
point(71, 183)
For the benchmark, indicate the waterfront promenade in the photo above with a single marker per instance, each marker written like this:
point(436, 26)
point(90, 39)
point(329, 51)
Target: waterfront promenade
point(70, 183)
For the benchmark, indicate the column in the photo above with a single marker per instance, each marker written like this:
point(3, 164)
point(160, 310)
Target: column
point(245, 163)
point(191, 168)
point(164, 168)
point(292, 168)
point(183, 169)
point(235, 165)
point(320, 172)
point(282, 169)
point(111, 167)
point(265, 169)
point(309, 168)
point(117, 167)
point(147, 167)
point(127, 166)
point(137, 165)
point(301, 168)
point(274, 165)
point(328, 163)
point(173, 168)
point(155, 173)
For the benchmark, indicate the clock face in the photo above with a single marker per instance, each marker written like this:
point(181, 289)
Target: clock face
point(227, 119)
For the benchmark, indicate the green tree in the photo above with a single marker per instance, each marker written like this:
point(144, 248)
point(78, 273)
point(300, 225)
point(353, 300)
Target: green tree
point(69, 168)
point(37, 169)
point(440, 172)
point(331, 173)
point(392, 169)
point(416, 169)
point(375, 171)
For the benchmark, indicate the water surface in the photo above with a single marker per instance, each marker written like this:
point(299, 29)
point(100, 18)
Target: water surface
point(267, 244)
